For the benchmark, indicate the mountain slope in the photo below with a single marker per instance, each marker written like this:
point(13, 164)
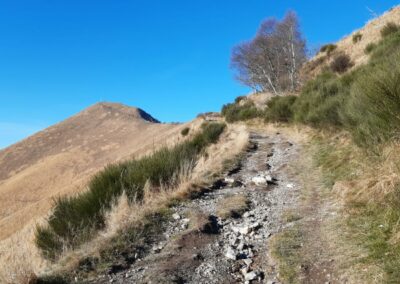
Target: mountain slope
point(60, 159)
point(370, 34)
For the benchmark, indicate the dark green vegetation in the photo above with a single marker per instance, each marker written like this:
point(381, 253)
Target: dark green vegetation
point(240, 111)
point(369, 48)
point(75, 219)
point(185, 131)
point(357, 37)
point(365, 102)
point(328, 48)
point(280, 109)
point(341, 63)
point(388, 29)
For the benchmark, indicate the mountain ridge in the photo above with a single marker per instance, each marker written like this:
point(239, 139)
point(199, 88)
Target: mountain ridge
point(61, 158)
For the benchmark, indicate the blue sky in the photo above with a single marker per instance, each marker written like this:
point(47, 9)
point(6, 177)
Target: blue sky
point(170, 58)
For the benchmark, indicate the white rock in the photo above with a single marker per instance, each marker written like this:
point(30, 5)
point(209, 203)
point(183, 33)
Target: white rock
point(185, 220)
point(229, 180)
point(176, 216)
point(250, 253)
point(255, 225)
point(244, 230)
point(247, 261)
point(290, 185)
point(244, 270)
point(240, 246)
point(250, 276)
point(235, 229)
point(259, 180)
point(230, 253)
point(233, 241)
point(269, 178)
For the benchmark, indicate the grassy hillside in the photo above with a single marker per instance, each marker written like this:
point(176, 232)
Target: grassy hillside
point(357, 115)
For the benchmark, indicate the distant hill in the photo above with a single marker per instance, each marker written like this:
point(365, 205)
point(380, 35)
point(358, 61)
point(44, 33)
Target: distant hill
point(60, 159)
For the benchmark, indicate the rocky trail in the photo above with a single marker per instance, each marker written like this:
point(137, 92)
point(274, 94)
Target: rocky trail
point(232, 250)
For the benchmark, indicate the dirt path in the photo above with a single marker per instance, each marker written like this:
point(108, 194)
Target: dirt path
point(200, 247)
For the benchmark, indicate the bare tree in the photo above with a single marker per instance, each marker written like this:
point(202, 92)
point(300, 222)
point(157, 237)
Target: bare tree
point(272, 59)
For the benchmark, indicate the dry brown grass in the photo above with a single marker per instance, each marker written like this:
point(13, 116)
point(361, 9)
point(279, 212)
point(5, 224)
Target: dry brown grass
point(232, 206)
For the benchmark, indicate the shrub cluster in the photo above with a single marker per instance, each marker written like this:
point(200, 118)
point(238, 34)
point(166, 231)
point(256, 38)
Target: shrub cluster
point(185, 131)
point(365, 101)
point(341, 63)
point(237, 112)
point(369, 48)
point(328, 48)
point(75, 218)
point(389, 29)
point(280, 109)
point(357, 37)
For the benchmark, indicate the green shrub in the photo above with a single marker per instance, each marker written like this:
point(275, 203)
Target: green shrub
point(387, 47)
point(280, 109)
point(373, 110)
point(239, 99)
point(341, 63)
point(75, 219)
point(321, 100)
point(235, 112)
point(369, 48)
point(328, 48)
point(389, 29)
point(357, 37)
point(185, 131)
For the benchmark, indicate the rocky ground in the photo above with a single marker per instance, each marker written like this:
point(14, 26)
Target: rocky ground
point(200, 247)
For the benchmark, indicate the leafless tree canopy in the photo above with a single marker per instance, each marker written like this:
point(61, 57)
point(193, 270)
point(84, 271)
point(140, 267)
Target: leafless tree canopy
point(272, 59)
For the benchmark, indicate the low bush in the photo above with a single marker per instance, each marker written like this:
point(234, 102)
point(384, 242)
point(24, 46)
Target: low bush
point(357, 37)
point(369, 48)
point(373, 109)
point(75, 219)
point(239, 99)
point(389, 29)
point(235, 112)
point(185, 131)
point(321, 100)
point(328, 48)
point(280, 109)
point(341, 63)
point(387, 47)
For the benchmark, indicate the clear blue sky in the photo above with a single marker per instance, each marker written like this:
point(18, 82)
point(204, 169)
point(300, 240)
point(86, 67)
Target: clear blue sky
point(170, 58)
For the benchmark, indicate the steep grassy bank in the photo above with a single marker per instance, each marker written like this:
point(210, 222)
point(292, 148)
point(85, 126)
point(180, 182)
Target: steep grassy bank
point(357, 116)
point(75, 219)
point(368, 187)
point(364, 101)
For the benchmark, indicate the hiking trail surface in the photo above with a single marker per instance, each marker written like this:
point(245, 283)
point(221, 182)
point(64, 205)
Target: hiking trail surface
point(235, 249)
